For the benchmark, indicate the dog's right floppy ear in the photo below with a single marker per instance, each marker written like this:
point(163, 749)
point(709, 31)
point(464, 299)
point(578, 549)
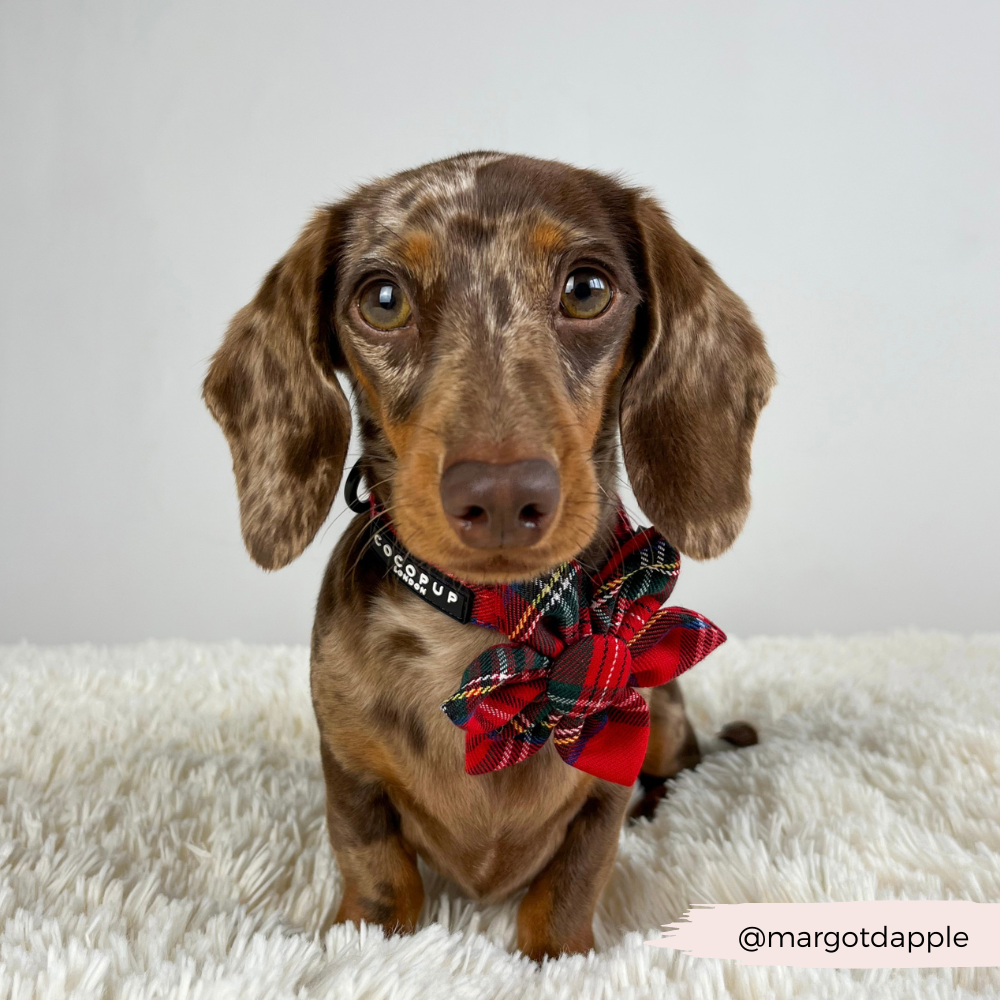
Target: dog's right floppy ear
point(273, 390)
point(690, 404)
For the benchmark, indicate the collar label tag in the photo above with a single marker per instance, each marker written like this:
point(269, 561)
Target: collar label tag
point(428, 583)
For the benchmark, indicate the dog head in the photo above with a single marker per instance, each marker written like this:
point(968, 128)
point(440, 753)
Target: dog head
point(500, 319)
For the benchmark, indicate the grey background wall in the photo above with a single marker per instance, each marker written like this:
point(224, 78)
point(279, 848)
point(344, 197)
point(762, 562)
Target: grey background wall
point(839, 163)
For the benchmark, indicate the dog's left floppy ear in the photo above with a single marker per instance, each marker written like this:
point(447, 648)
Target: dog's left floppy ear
point(272, 388)
point(689, 406)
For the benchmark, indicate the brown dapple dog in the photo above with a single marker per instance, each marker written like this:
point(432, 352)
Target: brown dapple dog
point(501, 320)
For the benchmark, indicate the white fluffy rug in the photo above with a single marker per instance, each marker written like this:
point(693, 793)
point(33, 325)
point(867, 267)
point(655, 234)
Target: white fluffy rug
point(162, 831)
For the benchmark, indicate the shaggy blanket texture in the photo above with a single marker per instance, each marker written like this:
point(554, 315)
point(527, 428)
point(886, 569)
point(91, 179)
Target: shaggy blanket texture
point(162, 829)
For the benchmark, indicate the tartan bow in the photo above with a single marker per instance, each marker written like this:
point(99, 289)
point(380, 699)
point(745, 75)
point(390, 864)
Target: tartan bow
point(578, 648)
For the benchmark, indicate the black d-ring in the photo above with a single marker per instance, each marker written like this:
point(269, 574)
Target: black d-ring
point(351, 490)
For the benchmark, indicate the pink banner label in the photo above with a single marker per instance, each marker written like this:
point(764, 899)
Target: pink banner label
point(878, 934)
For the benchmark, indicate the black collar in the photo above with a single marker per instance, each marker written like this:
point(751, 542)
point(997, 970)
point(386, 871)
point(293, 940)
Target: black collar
point(433, 585)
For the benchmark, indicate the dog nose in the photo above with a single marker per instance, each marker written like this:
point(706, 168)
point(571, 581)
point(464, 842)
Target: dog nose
point(492, 506)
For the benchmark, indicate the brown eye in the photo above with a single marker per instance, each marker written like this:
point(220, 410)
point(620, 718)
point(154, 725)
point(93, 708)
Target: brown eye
point(587, 293)
point(384, 306)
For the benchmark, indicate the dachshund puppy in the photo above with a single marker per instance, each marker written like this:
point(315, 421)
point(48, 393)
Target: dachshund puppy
point(501, 321)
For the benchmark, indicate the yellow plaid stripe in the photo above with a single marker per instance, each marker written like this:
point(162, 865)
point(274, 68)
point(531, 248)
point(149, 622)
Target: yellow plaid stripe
point(533, 606)
point(645, 628)
point(517, 723)
point(618, 581)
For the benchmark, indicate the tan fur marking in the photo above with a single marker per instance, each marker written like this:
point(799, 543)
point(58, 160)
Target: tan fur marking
point(547, 237)
point(419, 250)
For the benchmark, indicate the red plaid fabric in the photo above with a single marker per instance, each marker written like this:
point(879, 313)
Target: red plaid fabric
point(577, 648)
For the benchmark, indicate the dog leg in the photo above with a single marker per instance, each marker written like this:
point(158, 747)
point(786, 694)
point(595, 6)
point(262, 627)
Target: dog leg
point(382, 884)
point(557, 913)
point(672, 747)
